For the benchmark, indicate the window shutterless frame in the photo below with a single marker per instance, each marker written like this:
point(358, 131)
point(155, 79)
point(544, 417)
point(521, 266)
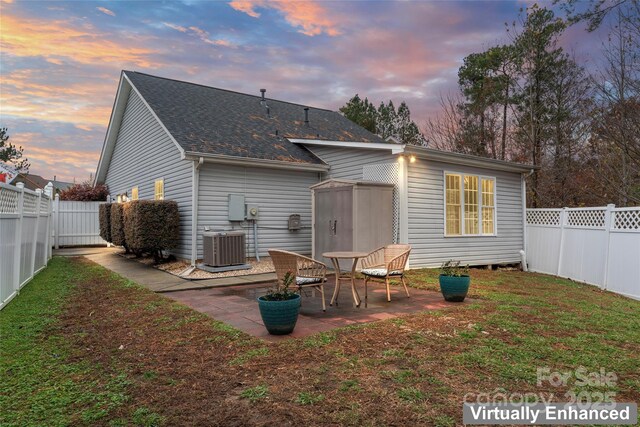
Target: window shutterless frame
point(461, 176)
point(158, 189)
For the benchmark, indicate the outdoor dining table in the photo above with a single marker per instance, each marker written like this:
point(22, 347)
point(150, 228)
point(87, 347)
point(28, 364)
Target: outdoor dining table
point(340, 276)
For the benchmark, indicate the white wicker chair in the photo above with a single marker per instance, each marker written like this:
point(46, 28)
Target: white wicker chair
point(308, 272)
point(385, 263)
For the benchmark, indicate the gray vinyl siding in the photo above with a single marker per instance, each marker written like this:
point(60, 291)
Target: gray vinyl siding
point(143, 153)
point(426, 219)
point(278, 194)
point(347, 163)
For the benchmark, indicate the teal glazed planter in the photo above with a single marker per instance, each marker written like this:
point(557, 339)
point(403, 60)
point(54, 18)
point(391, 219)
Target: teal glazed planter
point(279, 317)
point(454, 289)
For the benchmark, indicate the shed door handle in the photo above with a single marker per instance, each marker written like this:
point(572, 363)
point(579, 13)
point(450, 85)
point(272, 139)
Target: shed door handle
point(335, 227)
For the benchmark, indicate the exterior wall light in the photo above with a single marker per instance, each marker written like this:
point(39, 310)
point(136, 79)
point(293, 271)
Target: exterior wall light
point(412, 159)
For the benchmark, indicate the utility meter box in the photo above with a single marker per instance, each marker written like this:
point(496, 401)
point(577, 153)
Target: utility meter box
point(236, 207)
point(294, 222)
point(252, 212)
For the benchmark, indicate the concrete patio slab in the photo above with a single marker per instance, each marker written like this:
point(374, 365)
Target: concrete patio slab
point(237, 306)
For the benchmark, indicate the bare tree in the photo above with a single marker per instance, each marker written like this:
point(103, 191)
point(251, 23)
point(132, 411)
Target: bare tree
point(616, 124)
point(443, 131)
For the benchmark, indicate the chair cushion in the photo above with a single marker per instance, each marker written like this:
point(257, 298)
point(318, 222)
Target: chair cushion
point(379, 272)
point(301, 281)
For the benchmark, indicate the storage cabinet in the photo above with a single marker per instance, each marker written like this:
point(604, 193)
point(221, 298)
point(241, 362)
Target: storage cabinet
point(351, 216)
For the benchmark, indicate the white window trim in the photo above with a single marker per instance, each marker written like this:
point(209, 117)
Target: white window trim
point(480, 205)
point(163, 189)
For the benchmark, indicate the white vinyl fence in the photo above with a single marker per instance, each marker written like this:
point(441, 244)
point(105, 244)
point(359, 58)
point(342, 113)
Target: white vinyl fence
point(25, 230)
point(76, 223)
point(599, 246)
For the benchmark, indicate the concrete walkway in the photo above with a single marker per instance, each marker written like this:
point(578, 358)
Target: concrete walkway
point(154, 279)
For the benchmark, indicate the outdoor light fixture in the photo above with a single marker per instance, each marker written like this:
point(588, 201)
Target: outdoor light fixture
point(412, 159)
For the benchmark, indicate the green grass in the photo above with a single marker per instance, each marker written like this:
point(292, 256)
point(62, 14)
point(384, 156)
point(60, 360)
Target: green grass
point(411, 394)
point(308, 398)
point(414, 370)
point(40, 384)
point(255, 393)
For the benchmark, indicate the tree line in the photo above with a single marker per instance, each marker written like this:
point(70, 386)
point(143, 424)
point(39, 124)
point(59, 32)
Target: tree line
point(529, 100)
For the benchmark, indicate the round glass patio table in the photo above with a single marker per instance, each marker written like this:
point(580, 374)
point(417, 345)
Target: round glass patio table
point(340, 276)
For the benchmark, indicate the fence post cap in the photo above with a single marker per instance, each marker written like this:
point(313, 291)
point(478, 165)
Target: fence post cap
point(48, 189)
point(38, 191)
point(20, 185)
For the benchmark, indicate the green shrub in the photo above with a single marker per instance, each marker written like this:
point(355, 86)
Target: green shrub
point(117, 225)
point(151, 226)
point(104, 215)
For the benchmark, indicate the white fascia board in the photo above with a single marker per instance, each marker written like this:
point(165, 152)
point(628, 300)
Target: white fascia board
point(153, 113)
point(117, 111)
point(394, 148)
point(467, 160)
point(247, 161)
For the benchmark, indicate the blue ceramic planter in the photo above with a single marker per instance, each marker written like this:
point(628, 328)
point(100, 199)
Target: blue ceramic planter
point(279, 317)
point(454, 289)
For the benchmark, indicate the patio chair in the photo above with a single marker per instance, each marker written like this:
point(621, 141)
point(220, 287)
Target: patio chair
point(308, 272)
point(383, 264)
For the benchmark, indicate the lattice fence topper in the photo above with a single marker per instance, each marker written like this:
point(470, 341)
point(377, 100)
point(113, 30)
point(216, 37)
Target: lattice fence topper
point(586, 218)
point(626, 220)
point(44, 205)
point(30, 203)
point(388, 173)
point(8, 201)
point(543, 217)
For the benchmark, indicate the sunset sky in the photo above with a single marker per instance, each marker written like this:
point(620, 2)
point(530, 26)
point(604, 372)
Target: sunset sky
point(60, 61)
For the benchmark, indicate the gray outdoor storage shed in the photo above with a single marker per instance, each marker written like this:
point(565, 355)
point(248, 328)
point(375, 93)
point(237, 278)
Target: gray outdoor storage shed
point(351, 216)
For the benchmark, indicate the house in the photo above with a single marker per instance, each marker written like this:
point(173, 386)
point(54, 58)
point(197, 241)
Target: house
point(36, 182)
point(199, 145)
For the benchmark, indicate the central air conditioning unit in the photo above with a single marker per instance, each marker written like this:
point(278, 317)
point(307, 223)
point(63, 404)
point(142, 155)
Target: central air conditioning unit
point(224, 248)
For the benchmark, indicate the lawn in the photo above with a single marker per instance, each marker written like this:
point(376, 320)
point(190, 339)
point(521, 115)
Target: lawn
point(83, 346)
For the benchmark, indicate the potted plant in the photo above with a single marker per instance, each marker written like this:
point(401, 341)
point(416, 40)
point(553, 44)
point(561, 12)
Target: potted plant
point(279, 307)
point(454, 281)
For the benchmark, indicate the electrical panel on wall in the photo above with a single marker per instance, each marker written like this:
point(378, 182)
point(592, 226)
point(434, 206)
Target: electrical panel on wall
point(236, 207)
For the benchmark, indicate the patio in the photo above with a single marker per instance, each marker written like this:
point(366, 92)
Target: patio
point(237, 306)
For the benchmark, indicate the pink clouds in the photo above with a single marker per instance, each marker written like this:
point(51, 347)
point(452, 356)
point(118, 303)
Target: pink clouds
point(63, 40)
point(106, 11)
point(200, 33)
point(312, 18)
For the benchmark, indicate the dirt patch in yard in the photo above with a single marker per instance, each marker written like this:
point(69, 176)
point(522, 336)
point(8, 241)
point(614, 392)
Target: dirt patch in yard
point(176, 358)
point(413, 370)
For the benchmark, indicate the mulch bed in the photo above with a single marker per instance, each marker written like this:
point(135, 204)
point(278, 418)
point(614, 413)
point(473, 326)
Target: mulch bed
point(192, 370)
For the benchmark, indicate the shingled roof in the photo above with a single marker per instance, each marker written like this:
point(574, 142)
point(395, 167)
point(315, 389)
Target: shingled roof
point(208, 120)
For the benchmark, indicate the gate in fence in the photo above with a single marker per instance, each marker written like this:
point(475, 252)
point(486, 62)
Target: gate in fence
point(76, 223)
point(25, 230)
point(599, 246)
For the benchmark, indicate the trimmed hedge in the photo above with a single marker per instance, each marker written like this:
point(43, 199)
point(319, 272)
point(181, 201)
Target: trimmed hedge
point(117, 225)
point(104, 215)
point(151, 225)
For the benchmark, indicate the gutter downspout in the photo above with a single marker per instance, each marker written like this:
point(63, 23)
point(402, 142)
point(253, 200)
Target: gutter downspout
point(195, 180)
point(523, 187)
